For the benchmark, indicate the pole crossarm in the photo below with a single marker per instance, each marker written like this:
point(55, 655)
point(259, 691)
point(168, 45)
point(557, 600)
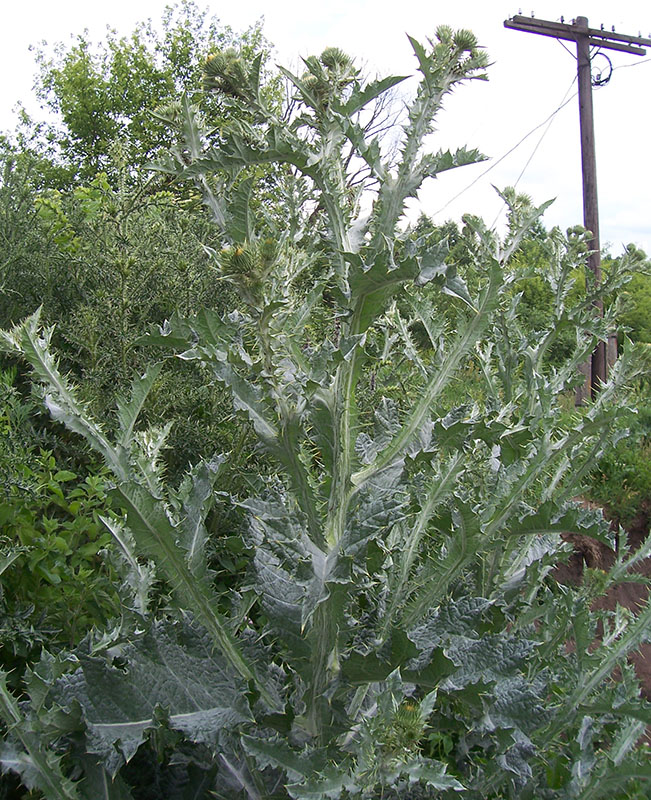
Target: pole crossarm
point(598, 38)
point(585, 38)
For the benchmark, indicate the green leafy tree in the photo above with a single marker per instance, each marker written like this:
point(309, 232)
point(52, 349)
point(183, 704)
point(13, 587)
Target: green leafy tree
point(106, 93)
point(103, 263)
point(80, 215)
point(396, 633)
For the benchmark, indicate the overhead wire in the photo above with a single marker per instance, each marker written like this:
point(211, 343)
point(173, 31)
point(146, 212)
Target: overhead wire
point(598, 82)
point(539, 142)
point(632, 64)
point(565, 47)
point(547, 120)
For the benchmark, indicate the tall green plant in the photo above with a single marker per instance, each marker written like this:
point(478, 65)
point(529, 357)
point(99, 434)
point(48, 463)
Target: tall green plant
point(397, 633)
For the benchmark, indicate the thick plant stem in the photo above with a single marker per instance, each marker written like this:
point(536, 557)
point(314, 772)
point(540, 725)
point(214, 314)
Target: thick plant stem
point(326, 620)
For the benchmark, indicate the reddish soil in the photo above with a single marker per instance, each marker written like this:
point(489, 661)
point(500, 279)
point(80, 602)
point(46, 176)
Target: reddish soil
point(593, 554)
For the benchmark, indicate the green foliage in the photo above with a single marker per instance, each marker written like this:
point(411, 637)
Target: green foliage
point(26, 268)
point(534, 257)
point(134, 260)
point(637, 317)
point(104, 94)
point(622, 479)
point(636, 297)
point(54, 584)
point(101, 249)
point(396, 633)
point(104, 263)
point(53, 519)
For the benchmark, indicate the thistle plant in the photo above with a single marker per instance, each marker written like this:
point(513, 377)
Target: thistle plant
point(397, 633)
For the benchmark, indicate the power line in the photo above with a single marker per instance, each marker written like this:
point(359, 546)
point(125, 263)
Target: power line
point(614, 69)
point(632, 64)
point(538, 143)
point(546, 121)
point(564, 102)
point(544, 133)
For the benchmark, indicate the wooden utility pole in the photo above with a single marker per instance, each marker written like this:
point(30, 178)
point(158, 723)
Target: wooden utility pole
point(585, 38)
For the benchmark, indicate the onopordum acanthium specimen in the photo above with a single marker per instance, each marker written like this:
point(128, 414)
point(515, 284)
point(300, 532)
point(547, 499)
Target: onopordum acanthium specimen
point(397, 633)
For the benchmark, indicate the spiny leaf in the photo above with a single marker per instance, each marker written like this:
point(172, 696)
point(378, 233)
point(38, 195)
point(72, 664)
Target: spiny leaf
point(379, 505)
point(33, 342)
point(24, 752)
point(139, 578)
point(296, 765)
point(331, 783)
point(362, 97)
point(241, 226)
point(465, 340)
point(399, 585)
point(190, 127)
point(454, 618)
point(282, 601)
point(636, 632)
point(197, 495)
point(157, 537)
point(171, 668)
point(516, 703)
point(99, 785)
point(371, 285)
point(128, 412)
point(39, 769)
point(432, 774)
point(7, 560)
point(487, 659)
point(461, 543)
point(420, 53)
point(443, 161)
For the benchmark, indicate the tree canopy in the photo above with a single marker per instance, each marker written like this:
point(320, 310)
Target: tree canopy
point(104, 93)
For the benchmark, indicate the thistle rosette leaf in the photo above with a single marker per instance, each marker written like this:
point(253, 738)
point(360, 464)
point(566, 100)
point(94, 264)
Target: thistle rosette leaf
point(25, 751)
point(173, 678)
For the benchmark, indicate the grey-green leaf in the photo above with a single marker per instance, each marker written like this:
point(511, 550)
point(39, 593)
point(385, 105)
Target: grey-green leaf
point(172, 668)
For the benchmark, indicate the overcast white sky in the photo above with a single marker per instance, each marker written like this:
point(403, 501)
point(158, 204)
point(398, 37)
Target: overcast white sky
point(528, 81)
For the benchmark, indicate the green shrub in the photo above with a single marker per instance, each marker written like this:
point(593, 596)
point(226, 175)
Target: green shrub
point(622, 479)
point(54, 584)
